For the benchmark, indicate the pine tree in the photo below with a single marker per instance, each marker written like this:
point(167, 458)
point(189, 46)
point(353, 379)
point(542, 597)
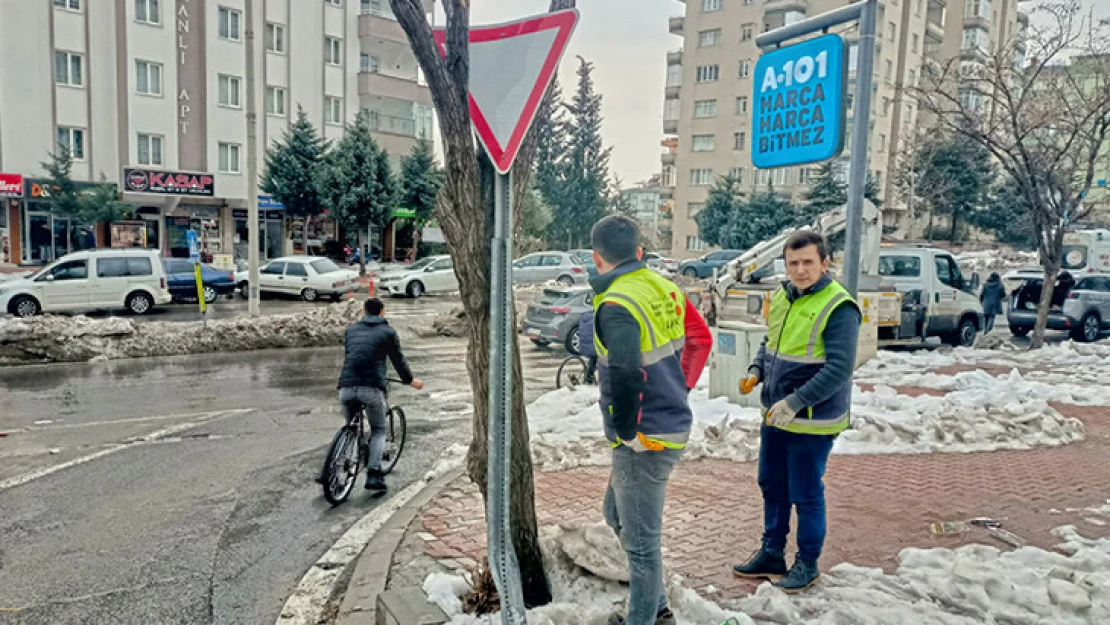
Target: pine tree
point(764, 215)
point(354, 181)
point(584, 197)
point(725, 201)
point(96, 204)
point(826, 193)
point(419, 185)
point(1008, 217)
point(290, 172)
point(552, 144)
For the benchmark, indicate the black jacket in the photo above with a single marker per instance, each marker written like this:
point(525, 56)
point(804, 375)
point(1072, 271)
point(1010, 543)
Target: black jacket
point(368, 343)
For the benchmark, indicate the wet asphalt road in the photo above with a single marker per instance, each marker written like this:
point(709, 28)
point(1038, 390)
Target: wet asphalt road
point(198, 503)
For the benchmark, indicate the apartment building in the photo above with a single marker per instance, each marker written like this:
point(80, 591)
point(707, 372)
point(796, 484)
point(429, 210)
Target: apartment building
point(151, 95)
point(709, 90)
point(648, 211)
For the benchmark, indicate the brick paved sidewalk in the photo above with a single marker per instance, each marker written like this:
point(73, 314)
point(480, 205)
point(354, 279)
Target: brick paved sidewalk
point(878, 504)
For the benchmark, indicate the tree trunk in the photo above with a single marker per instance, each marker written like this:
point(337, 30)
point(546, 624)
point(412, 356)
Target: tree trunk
point(304, 236)
point(1051, 259)
point(362, 251)
point(954, 228)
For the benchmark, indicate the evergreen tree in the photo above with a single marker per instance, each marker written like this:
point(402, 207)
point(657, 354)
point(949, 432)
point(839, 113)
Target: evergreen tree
point(90, 205)
point(552, 144)
point(354, 181)
point(290, 172)
point(955, 175)
point(1008, 217)
point(419, 185)
point(825, 193)
point(764, 215)
point(535, 219)
point(724, 203)
point(584, 198)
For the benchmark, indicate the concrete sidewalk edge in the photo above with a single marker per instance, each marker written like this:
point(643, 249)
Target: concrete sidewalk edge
point(371, 571)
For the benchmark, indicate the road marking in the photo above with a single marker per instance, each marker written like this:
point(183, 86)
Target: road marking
point(201, 419)
point(90, 424)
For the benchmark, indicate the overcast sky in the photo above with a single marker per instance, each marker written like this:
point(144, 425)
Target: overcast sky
point(627, 41)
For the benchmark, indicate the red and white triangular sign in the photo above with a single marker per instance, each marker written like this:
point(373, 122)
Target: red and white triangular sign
point(511, 66)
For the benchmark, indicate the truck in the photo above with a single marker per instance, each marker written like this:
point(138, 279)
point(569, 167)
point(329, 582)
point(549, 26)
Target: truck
point(1086, 251)
point(909, 293)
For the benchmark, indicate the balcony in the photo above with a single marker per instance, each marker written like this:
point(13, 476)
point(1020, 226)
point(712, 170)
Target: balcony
point(934, 32)
point(666, 193)
point(676, 24)
point(394, 86)
point(668, 158)
point(670, 126)
point(381, 25)
point(674, 57)
point(782, 6)
point(672, 91)
point(938, 3)
point(390, 124)
point(975, 21)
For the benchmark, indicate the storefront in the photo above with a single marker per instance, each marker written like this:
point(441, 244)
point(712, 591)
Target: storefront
point(139, 230)
point(197, 210)
point(271, 241)
point(45, 235)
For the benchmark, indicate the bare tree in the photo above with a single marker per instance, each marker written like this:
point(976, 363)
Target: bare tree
point(464, 208)
point(1044, 124)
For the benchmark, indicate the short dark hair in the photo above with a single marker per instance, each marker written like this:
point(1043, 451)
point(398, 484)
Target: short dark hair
point(616, 238)
point(373, 306)
point(802, 239)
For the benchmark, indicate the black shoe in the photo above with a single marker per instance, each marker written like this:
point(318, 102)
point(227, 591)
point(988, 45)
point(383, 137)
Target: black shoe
point(375, 483)
point(762, 565)
point(666, 617)
point(801, 576)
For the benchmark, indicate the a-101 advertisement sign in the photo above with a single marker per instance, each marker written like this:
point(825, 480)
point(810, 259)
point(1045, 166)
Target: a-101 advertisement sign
point(161, 182)
point(799, 103)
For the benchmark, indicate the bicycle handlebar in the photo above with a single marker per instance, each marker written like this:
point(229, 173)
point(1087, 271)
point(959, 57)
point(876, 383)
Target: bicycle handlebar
point(394, 380)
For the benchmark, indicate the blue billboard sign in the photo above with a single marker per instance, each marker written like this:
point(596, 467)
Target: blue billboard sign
point(268, 202)
point(799, 107)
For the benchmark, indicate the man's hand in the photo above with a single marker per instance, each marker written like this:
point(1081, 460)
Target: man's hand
point(781, 414)
point(748, 384)
point(417, 384)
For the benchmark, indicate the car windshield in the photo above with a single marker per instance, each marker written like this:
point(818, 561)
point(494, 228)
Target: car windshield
point(422, 263)
point(324, 265)
point(900, 266)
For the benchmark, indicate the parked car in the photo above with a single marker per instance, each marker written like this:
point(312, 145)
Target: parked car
point(434, 274)
point(132, 280)
point(703, 267)
point(182, 281)
point(661, 263)
point(555, 315)
point(560, 267)
point(309, 277)
point(1082, 310)
point(586, 259)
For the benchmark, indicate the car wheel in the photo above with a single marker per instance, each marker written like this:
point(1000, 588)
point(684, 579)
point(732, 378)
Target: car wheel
point(1019, 331)
point(574, 342)
point(965, 334)
point(310, 295)
point(210, 294)
point(139, 303)
point(244, 290)
point(1089, 328)
point(24, 306)
point(415, 289)
point(690, 272)
point(566, 281)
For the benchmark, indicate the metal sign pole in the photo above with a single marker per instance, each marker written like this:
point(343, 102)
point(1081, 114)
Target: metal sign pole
point(499, 538)
point(861, 131)
point(253, 226)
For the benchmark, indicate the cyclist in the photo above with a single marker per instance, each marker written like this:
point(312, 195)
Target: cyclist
point(369, 341)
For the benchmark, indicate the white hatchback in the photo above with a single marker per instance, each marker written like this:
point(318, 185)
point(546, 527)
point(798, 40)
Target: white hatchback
point(108, 279)
point(309, 277)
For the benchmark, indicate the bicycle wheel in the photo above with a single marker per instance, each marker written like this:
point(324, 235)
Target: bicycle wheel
point(342, 465)
point(571, 373)
point(394, 439)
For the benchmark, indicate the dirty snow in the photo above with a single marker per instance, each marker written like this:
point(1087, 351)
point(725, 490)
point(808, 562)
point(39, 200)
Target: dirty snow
point(1001, 260)
point(971, 585)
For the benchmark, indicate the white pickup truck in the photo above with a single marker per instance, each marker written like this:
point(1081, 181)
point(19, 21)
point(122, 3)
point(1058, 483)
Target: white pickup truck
point(935, 297)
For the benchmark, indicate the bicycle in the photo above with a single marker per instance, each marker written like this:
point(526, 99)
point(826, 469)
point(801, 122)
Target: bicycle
point(575, 371)
point(349, 451)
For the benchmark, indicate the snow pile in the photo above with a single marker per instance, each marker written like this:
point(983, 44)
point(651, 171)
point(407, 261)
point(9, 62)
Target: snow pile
point(77, 339)
point(980, 419)
point(1067, 357)
point(1002, 260)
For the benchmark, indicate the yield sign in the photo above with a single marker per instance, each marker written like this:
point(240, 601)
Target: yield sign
point(511, 66)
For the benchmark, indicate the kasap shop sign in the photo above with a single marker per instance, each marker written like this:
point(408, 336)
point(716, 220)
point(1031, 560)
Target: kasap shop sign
point(11, 185)
point(161, 182)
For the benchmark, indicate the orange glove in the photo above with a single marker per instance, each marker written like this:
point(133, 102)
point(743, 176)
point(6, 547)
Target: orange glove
point(748, 384)
point(649, 444)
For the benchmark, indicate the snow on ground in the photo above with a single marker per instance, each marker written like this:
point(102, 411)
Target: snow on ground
point(1001, 260)
point(1068, 357)
point(971, 585)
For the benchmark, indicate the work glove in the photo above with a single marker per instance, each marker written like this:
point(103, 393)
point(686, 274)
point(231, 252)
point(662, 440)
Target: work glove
point(641, 443)
point(748, 384)
point(781, 414)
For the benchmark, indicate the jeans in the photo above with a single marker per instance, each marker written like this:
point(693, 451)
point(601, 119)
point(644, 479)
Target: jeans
point(374, 401)
point(988, 323)
point(790, 470)
point(634, 509)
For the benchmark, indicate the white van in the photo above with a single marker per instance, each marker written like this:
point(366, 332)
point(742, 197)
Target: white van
point(937, 300)
point(133, 280)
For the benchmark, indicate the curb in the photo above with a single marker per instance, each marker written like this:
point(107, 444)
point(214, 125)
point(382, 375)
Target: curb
point(309, 601)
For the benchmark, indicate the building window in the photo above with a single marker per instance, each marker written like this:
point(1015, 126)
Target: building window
point(337, 3)
point(747, 31)
point(148, 12)
point(709, 38)
point(701, 177)
point(879, 178)
point(889, 73)
point(745, 68)
point(705, 108)
point(671, 108)
point(886, 107)
point(425, 122)
point(742, 105)
point(913, 78)
point(976, 38)
point(781, 176)
point(229, 91)
point(693, 208)
point(333, 110)
point(668, 177)
point(275, 38)
point(739, 140)
point(891, 31)
point(805, 174)
point(704, 143)
point(230, 25)
point(150, 149)
point(694, 244)
point(69, 68)
point(916, 42)
point(762, 177)
point(917, 9)
point(229, 158)
point(148, 78)
point(708, 73)
point(275, 101)
point(737, 174)
point(69, 5)
point(333, 51)
point(710, 5)
point(72, 141)
point(978, 8)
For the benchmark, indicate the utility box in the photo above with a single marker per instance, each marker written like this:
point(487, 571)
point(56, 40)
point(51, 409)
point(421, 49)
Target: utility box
point(735, 345)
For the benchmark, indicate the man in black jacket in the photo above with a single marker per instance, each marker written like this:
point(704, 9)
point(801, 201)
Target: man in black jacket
point(368, 343)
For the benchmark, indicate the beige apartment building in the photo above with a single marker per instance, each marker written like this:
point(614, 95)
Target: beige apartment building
point(709, 87)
